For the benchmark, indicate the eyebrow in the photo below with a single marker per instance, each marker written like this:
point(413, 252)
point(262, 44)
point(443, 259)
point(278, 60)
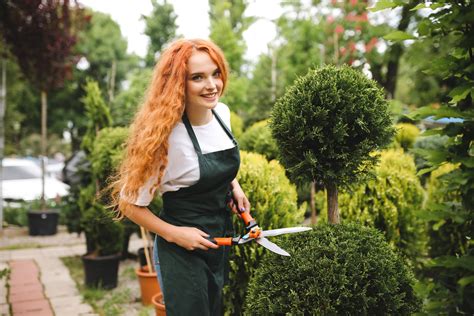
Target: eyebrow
point(201, 73)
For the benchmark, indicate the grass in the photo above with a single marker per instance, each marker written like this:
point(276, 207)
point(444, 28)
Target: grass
point(22, 246)
point(122, 300)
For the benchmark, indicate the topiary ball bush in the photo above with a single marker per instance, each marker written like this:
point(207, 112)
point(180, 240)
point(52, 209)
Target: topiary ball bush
point(328, 123)
point(333, 270)
point(258, 138)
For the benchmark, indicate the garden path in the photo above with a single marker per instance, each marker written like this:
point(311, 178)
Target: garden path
point(39, 283)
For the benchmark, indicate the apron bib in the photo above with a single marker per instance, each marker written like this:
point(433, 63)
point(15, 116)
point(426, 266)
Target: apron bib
point(193, 280)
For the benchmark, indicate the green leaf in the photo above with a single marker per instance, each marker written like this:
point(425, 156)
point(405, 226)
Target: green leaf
point(466, 281)
point(431, 132)
point(424, 27)
point(441, 112)
point(398, 36)
point(420, 6)
point(460, 93)
point(471, 148)
point(435, 6)
point(426, 170)
point(464, 262)
point(382, 5)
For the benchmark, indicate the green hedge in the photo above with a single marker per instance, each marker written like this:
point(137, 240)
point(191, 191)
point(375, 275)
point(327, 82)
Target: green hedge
point(258, 138)
point(274, 205)
point(390, 202)
point(237, 125)
point(406, 135)
point(341, 269)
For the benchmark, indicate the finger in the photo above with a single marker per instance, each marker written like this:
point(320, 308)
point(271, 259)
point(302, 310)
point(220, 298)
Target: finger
point(242, 205)
point(247, 204)
point(208, 244)
point(201, 233)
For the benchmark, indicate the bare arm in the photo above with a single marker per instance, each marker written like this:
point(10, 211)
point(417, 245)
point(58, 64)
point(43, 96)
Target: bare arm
point(189, 238)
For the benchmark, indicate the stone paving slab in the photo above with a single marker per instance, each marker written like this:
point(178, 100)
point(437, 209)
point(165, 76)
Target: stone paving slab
point(59, 289)
point(4, 309)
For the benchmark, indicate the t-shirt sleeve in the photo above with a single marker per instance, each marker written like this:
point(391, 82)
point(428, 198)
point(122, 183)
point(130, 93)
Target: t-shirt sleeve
point(145, 194)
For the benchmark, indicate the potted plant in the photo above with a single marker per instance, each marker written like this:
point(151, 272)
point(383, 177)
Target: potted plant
point(104, 235)
point(147, 276)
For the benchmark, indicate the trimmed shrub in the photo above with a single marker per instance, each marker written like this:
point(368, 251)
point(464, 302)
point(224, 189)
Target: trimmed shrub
point(274, 205)
point(327, 124)
point(406, 135)
point(237, 125)
point(108, 151)
point(258, 138)
point(390, 202)
point(333, 270)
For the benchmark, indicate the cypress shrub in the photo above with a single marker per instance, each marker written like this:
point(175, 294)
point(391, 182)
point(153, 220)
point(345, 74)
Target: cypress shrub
point(237, 125)
point(327, 125)
point(333, 270)
point(390, 202)
point(274, 205)
point(258, 138)
point(406, 135)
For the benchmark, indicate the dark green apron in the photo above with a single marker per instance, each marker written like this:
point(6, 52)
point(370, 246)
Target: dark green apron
point(193, 280)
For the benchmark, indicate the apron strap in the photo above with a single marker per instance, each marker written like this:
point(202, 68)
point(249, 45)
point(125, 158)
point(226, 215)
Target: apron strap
point(194, 140)
point(191, 134)
point(226, 129)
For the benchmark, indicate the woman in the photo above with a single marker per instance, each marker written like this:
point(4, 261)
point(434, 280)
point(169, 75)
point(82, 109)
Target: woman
point(181, 145)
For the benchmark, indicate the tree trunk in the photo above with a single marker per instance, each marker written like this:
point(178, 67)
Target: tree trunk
point(312, 203)
point(44, 146)
point(3, 105)
point(333, 210)
point(395, 52)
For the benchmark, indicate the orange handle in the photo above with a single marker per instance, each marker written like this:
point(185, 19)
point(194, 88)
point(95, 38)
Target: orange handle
point(221, 241)
point(246, 217)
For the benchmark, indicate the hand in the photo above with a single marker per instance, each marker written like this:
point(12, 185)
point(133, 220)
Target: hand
point(191, 238)
point(239, 200)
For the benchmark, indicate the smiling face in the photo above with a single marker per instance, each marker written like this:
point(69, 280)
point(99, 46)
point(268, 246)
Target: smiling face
point(203, 83)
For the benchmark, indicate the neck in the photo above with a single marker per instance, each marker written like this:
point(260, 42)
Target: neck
point(199, 116)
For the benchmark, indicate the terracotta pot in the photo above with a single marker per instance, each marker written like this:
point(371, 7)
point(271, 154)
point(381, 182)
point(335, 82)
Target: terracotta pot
point(149, 285)
point(157, 300)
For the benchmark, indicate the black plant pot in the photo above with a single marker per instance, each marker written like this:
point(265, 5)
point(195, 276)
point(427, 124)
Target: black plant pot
point(142, 257)
point(101, 271)
point(43, 223)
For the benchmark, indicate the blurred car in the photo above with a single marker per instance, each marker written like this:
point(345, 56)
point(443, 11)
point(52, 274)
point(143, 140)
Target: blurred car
point(22, 181)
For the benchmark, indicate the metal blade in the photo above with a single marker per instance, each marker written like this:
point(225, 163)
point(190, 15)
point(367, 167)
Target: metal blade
point(280, 231)
point(271, 246)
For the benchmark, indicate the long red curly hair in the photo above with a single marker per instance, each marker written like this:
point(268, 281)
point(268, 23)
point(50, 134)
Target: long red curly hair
point(147, 146)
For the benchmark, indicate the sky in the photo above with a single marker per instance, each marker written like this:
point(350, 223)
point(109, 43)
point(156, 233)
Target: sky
point(192, 20)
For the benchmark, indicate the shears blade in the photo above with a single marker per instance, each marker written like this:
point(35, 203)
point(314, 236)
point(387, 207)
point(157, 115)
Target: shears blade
point(280, 231)
point(271, 246)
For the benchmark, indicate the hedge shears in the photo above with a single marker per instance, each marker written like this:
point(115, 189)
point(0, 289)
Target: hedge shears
point(254, 232)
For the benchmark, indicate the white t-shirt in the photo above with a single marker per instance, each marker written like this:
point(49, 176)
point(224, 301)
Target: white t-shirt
point(183, 166)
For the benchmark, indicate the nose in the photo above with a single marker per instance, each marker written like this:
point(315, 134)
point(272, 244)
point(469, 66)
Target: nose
point(211, 84)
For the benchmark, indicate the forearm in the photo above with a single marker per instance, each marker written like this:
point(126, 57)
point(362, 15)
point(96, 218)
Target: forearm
point(144, 217)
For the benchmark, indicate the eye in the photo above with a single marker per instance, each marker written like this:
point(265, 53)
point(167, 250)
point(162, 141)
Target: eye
point(217, 73)
point(196, 77)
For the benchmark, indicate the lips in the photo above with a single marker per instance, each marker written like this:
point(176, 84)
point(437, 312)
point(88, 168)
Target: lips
point(210, 96)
